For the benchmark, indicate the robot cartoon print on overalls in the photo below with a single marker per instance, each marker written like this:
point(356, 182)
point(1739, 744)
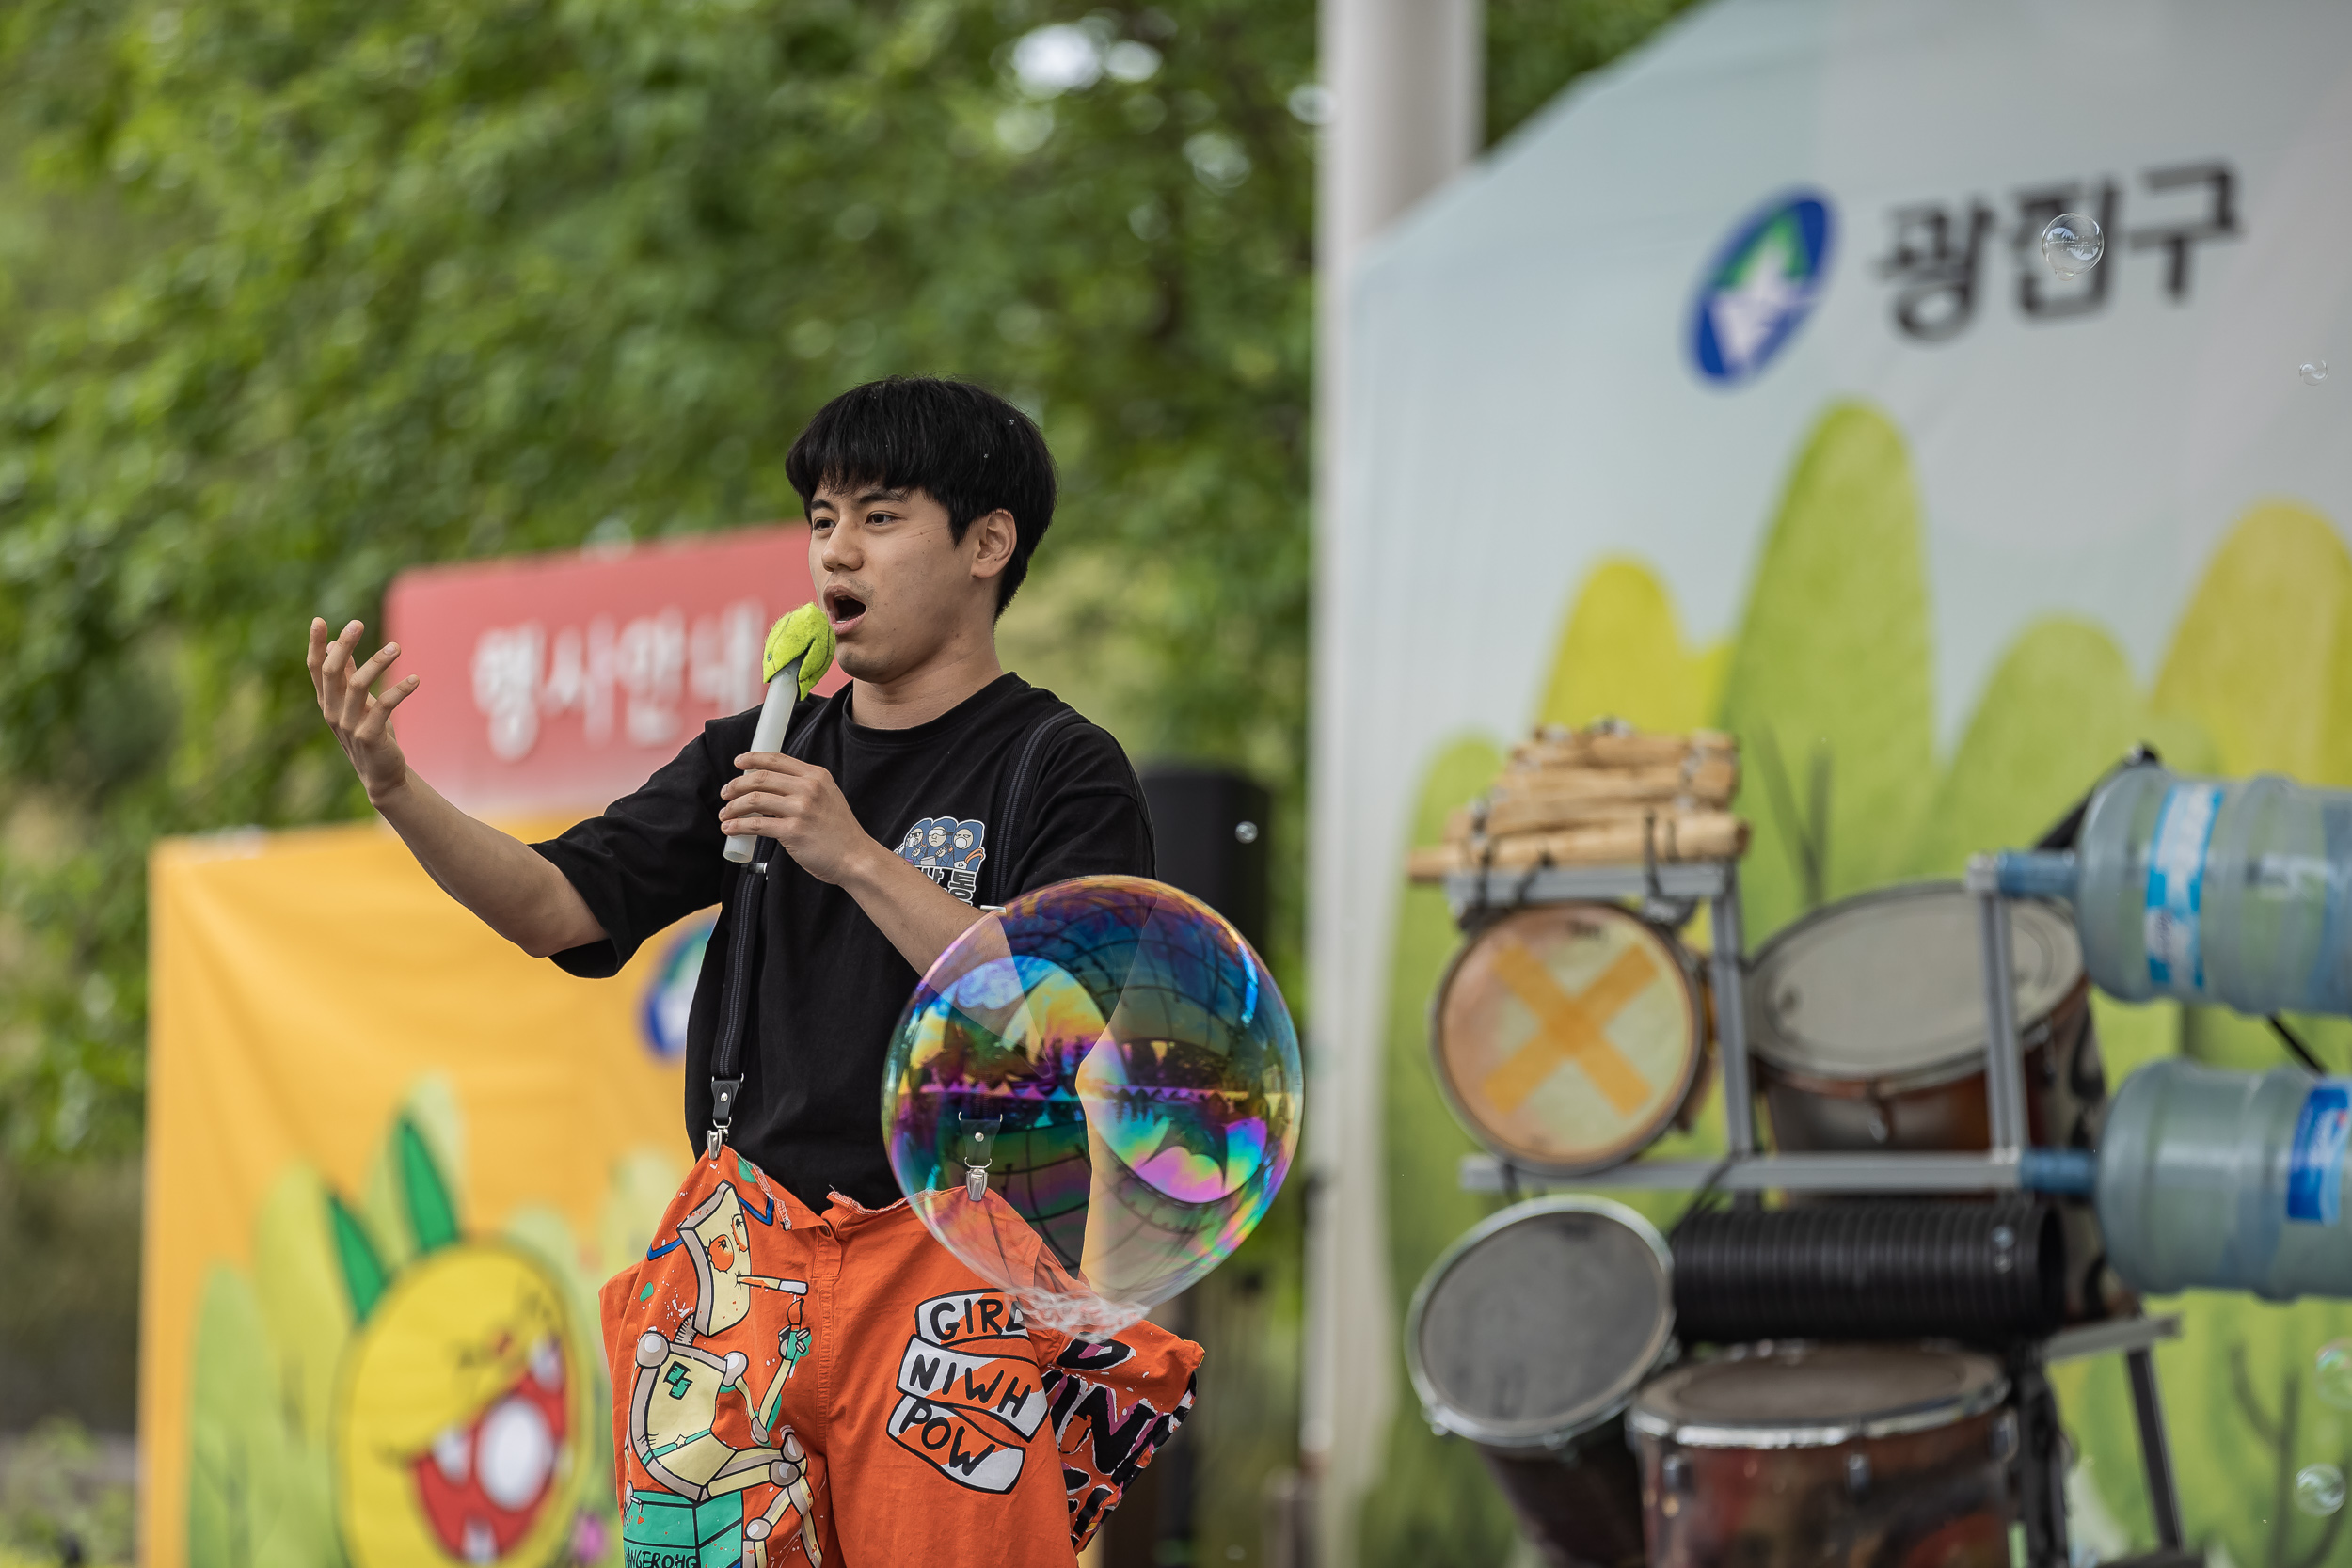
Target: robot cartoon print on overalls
point(694, 1423)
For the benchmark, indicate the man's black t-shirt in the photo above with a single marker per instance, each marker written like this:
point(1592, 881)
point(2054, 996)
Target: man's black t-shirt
point(831, 985)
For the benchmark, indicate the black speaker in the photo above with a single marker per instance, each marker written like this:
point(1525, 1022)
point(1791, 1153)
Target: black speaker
point(1209, 825)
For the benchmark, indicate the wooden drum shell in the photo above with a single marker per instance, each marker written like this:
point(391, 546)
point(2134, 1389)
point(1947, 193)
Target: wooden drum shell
point(1929, 1485)
point(1942, 1109)
point(1527, 1338)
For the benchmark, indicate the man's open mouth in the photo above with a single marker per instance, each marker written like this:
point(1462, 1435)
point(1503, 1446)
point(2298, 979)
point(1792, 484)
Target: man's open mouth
point(843, 610)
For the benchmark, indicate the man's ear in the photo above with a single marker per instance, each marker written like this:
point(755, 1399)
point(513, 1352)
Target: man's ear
point(996, 536)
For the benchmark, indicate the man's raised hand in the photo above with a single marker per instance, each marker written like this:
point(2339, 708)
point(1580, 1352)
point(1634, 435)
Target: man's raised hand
point(518, 892)
point(362, 722)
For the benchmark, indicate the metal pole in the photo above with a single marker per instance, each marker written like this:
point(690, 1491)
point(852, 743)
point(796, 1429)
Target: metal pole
point(2041, 1461)
point(2164, 1500)
point(2004, 1075)
point(1729, 977)
point(1406, 113)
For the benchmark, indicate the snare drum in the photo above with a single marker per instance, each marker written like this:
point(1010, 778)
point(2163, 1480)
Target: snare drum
point(1568, 1037)
point(1868, 1024)
point(1527, 1338)
point(1782, 1455)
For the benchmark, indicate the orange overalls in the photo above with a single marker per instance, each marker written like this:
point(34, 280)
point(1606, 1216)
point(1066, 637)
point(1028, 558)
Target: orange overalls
point(838, 1389)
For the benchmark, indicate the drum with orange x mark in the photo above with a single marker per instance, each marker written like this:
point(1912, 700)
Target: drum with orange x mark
point(1568, 1037)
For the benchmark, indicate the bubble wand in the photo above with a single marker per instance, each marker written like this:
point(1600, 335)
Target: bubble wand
point(799, 651)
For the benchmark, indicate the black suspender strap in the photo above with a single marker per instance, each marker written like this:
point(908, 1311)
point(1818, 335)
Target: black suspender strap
point(726, 1052)
point(1024, 786)
point(726, 1068)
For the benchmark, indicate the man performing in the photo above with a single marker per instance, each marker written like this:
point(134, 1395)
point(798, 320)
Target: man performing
point(934, 783)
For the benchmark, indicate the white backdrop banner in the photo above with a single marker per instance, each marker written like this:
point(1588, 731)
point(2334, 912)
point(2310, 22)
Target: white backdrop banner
point(1736, 388)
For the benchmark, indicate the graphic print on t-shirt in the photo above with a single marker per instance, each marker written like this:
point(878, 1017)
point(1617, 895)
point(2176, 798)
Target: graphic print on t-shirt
point(970, 1396)
point(1103, 1441)
point(947, 850)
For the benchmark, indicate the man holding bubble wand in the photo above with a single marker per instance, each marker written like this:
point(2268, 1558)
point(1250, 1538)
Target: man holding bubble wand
point(926, 500)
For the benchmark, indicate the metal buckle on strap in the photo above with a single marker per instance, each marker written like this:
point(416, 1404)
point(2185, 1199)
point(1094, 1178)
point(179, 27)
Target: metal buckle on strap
point(723, 1095)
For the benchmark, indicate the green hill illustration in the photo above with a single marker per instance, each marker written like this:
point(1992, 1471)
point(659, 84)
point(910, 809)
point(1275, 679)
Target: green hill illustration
point(1622, 655)
point(2060, 707)
point(1828, 684)
point(2263, 656)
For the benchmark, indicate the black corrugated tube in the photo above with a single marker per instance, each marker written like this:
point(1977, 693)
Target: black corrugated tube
point(1985, 1272)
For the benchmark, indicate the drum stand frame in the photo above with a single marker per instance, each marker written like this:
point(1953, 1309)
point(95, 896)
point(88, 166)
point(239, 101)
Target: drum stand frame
point(1670, 893)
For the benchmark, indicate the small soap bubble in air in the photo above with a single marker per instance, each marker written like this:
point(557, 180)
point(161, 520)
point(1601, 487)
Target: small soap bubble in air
point(2333, 1373)
point(2319, 1489)
point(2072, 244)
point(2315, 371)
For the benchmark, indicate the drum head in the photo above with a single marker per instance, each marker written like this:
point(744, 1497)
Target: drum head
point(1541, 1323)
point(1892, 983)
point(1816, 1396)
point(1566, 1036)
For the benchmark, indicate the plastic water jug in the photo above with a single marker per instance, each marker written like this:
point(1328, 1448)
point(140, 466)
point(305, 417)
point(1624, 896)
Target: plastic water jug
point(2218, 1181)
point(2210, 890)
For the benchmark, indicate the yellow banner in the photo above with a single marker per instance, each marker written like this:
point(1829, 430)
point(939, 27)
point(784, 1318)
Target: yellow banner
point(388, 1160)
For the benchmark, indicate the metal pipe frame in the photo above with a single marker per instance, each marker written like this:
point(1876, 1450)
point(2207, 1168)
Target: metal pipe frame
point(2116, 1335)
point(2005, 1072)
point(1789, 1172)
point(1467, 891)
point(2155, 1449)
point(1728, 974)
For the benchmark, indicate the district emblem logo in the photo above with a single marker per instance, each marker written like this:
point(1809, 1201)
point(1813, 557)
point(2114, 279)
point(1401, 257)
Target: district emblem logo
point(1760, 286)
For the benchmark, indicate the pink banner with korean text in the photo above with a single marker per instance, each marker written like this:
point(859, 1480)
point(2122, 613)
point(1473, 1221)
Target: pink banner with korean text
point(563, 680)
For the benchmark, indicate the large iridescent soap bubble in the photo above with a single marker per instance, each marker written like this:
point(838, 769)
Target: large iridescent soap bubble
point(1092, 1098)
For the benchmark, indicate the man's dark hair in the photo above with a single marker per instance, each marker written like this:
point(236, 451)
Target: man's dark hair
point(968, 448)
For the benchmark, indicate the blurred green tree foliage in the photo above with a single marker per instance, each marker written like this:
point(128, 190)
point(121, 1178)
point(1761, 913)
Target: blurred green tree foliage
point(1536, 47)
point(294, 294)
point(426, 279)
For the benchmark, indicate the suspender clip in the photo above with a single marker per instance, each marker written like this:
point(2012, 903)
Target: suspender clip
point(723, 1096)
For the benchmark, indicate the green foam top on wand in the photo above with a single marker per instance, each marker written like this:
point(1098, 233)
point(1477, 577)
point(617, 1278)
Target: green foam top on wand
point(804, 635)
